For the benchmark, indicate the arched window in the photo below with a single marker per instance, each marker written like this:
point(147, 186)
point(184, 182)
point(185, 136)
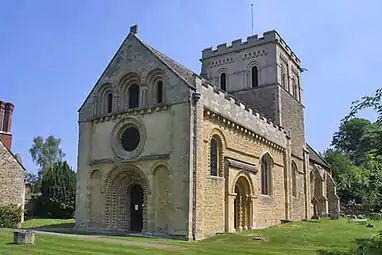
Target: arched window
point(284, 80)
point(133, 96)
point(294, 179)
point(223, 81)
point(109, 103)
point(214, 157)
point(159, 92)
point(266, 175)
point(255, 77)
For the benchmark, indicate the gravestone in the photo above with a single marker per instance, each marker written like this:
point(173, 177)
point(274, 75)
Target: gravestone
point(23, 237)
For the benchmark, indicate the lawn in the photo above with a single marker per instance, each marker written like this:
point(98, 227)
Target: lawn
point(325, 237)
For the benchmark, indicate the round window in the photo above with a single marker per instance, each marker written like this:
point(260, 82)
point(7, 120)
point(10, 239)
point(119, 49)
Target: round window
point(130, 139)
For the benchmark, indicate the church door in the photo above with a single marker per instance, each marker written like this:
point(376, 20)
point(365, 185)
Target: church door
point(136, 208)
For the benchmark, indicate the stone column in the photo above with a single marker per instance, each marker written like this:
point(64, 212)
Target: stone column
point(231, 212)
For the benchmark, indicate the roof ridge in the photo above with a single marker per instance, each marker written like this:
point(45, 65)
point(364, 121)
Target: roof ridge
point(183, 72)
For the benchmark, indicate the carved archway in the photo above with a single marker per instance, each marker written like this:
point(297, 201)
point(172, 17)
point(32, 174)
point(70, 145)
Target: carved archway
point(242, 204)
point(118, 203)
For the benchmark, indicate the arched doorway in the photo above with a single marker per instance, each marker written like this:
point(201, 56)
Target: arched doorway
point(136, 208)
point(242, 205)
point(126, 200)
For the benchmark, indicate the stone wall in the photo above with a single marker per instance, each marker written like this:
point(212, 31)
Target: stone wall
point(263, 99)
point(292, 120)
point(298, 202)
point(164, 150)
point(12, 185)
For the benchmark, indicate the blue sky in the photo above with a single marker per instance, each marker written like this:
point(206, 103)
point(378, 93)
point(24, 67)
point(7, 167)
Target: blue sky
point(52, 53)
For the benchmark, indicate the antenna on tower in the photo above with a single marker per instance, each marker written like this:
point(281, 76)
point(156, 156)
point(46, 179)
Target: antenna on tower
point(252, 19)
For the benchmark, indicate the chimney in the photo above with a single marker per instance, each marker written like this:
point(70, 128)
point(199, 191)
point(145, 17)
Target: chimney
point(8, 117)
point(2, 108)
point(5, 133)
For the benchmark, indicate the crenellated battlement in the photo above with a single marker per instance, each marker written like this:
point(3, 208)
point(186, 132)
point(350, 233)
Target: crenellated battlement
point(232, 108)
point(253, 40)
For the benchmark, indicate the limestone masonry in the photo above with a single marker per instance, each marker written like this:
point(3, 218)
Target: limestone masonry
point(165, 151)
point(12, 185)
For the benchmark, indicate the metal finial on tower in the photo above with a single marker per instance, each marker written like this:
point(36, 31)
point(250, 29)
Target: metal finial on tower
point(253, 30)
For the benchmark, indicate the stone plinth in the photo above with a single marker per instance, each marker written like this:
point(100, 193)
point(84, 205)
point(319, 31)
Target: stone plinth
point(24, 237)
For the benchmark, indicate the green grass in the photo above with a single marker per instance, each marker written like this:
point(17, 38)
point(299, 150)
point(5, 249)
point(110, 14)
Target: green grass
point(325, 237)
point(48, 223)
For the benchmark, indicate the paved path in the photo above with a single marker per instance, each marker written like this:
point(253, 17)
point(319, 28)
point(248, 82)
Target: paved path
point(103, 239)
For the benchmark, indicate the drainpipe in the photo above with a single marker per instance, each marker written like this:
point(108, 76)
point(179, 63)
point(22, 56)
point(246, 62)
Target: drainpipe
point(195, 99)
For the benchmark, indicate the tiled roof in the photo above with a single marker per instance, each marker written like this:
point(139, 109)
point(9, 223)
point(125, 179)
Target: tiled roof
point(316, 158)
point(185, 73)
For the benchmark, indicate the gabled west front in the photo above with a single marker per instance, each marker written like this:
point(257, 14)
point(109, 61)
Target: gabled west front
point(165, 151)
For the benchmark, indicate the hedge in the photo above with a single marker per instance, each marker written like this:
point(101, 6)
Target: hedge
point(10, 216)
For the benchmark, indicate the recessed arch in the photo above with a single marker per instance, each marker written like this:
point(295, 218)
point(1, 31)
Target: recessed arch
point(215, 150)
point(161, 190)
point(253, 70)
point(245, 175)
point(222, 77)
point(156, 79)
point(125, 185)
point(105, 97)
point(266, 174)
point(127, 81)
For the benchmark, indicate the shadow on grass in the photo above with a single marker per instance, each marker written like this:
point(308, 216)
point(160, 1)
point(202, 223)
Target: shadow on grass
point(372, 246)
point(59, 225)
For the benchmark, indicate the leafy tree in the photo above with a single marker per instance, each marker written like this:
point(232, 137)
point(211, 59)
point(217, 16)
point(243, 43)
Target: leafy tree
point(58, 190)
point(348, 177)
point(374, 102)
point(356, 138)
point(45, 153)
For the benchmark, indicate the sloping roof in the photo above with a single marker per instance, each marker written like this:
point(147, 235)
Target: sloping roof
point(184, 73)
point(316, 158)
point(6, 147)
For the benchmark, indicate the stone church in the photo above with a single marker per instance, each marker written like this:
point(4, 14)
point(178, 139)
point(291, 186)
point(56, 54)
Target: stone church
point(165, 151)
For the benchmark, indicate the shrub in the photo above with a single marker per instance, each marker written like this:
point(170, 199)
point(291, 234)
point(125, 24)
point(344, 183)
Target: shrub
point(10, 216)
point(375, 216)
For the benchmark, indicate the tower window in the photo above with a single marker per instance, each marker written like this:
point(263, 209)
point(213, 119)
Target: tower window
point(255, 77)
point(133, 96)
point(159, 92)
point(109, 103)
point(223, 81)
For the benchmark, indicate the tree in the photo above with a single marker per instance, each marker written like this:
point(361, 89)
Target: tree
point(58, 191)
point(374, 102)
point(356, 138)
point(46, 153)
point(348, 177)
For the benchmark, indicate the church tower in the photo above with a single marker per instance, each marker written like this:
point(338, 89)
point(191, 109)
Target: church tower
point(265, 74)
